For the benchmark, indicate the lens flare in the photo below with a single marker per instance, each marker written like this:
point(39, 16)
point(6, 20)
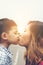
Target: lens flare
point(21, 29)
point(21, 26)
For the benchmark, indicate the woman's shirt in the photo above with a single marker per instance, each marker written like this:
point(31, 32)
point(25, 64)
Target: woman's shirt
point(41, 63)
point(33, 63)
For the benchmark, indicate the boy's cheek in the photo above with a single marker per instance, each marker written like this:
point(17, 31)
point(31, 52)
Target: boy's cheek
point(16, 39)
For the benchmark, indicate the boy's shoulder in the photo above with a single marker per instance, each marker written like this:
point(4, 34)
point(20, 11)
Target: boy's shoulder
point(2, 51)
point(3, 55)
point(5, 52)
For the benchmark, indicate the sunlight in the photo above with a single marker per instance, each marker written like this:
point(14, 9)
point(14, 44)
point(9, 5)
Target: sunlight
point(21, 24)
point(21, 29)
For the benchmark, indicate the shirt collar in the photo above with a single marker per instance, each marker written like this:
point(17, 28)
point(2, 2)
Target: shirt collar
point(6, 50)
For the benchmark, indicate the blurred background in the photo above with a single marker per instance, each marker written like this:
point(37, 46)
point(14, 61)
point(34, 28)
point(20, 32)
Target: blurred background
point(21, 11)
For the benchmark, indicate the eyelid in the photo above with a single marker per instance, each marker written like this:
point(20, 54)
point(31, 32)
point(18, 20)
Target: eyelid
point(15, 32)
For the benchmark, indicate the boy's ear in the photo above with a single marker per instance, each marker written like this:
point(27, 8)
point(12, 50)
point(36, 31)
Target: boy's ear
point(4, 36)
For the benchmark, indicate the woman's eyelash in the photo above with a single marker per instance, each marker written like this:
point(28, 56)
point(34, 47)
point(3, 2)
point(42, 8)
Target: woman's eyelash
point(15, 32)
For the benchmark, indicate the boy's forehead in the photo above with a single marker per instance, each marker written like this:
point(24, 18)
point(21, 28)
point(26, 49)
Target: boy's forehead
point(14, 28)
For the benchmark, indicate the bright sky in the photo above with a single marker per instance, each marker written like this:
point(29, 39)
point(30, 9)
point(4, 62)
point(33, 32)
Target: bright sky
point(21, 11)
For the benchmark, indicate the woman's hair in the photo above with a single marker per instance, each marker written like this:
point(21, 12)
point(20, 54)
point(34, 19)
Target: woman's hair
point(35, 50)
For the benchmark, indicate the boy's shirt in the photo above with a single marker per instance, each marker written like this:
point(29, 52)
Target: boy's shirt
point(5, 56)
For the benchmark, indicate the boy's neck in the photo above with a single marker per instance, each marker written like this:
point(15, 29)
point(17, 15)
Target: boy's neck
point(5, 45)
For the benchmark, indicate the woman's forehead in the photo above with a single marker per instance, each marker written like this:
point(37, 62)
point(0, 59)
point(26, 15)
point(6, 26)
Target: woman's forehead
point(27, 28)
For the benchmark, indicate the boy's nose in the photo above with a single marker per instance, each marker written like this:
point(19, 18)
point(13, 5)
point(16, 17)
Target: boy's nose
point(18, 37)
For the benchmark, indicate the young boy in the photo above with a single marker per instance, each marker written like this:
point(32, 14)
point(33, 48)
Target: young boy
point(8, 35)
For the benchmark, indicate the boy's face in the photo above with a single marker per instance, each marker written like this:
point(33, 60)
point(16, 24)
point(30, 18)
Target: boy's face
point(25, 38)
point(13, 36)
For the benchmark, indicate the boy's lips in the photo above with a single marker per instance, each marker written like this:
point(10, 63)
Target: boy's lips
point(18, 39)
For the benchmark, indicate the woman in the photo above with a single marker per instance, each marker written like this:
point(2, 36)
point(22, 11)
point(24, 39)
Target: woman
point(32, 39)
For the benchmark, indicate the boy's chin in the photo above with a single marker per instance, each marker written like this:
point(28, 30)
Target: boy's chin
point(21, 44)
point(15, 43)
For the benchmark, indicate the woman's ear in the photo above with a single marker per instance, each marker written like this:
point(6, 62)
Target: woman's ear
point(41, 41)
point(4, 36)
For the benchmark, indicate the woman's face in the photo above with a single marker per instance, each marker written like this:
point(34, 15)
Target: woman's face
point(25, 38)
